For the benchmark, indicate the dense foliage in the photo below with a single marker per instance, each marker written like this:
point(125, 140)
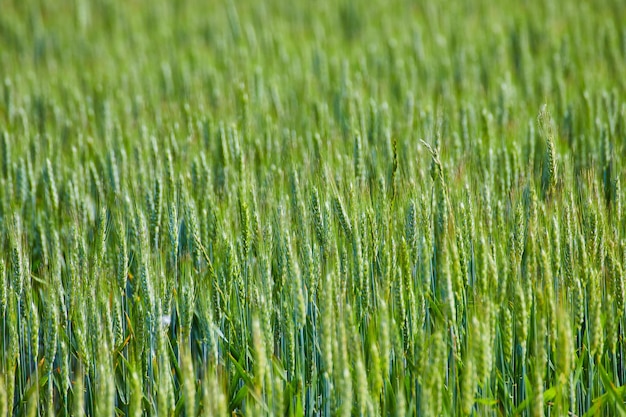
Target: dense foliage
point(312, 208)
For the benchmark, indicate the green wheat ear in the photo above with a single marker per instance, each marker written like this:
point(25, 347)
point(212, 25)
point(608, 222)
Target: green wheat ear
point(547, 129)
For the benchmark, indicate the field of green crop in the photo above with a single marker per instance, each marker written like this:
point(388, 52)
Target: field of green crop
point(312, 208)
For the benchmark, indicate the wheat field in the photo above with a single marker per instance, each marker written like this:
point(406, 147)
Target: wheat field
point(328, 208)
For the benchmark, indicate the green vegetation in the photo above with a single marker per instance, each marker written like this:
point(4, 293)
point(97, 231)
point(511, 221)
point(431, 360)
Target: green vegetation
point(312, 208)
